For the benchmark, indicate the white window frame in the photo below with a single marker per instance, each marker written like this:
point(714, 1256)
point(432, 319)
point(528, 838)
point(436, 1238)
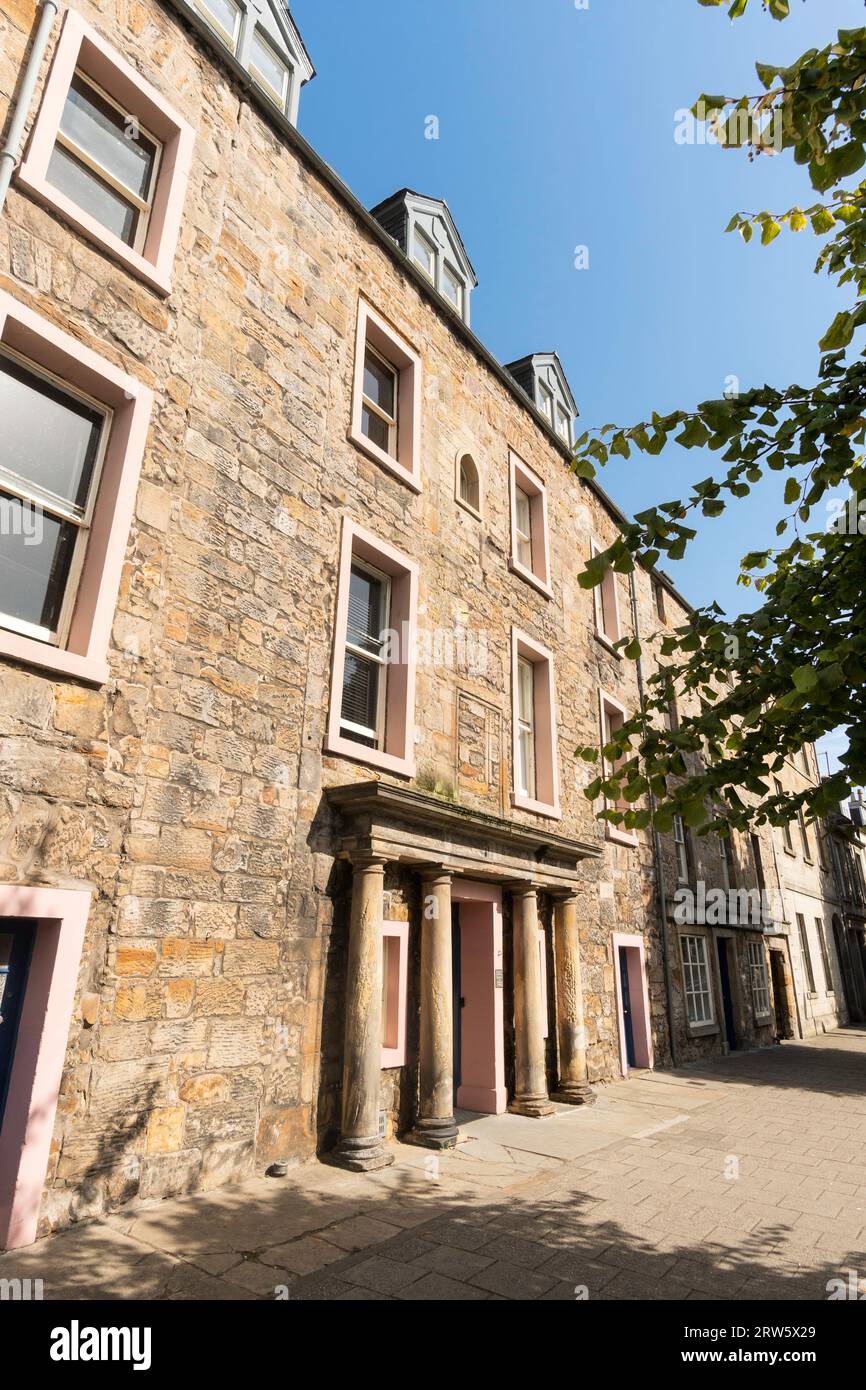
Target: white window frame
point(526, 768)
point(448, 269)
point(523, 536)
point(419, 235)
point(759, 978)
point(393, 422)
point(546, 402)
point(563, 424)
point(787, 837)
point(280, 99)
point(231, 40)
point(474, 508)
point(54, 506)
point(605, 597)
point(143, 207)
point(610, 708)
point(524, 480)
point(681, 850)
point(347, 727)
point(806, 954)
point(697, 981)
point(725, 860)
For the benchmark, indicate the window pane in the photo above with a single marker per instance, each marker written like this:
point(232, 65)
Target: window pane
point(49, 439)
point(361, 694)
point(376, 429)
point(224, 12)
point(452, 288)
point(525, 702)
point(109, 137)
point(524, 528)
point(365, 611)
point(68, 175)
point(423, 253)
point(526, 770)
point(33, 570)
point(380, 383)
point(545, 401)
point(268, 65)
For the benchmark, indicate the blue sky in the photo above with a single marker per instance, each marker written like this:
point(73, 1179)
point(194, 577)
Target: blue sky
point(556, 130)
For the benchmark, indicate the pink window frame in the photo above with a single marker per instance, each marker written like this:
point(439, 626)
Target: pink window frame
point(37, 1067)
point(80, 46)
point(546, 736)
point(375, 330)
point(606, 703)
point(85, 652)
point(398, 755)
point(521, 476)
point(396, 991)
point(607, 588)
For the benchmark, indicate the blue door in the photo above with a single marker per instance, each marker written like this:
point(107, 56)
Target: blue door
point(16, 944)
point(626, 1007)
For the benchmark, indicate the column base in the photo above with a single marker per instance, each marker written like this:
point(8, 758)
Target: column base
point(434, 1134)
point(535, 1107)
point(575, 1093)
point(361, 1155)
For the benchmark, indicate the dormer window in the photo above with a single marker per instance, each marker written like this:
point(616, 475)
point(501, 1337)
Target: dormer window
point(542, 378)
point(424, 229)
point(263, 37)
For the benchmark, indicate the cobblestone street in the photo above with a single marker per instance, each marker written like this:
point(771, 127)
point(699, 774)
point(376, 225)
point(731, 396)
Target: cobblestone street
point(743, 1179)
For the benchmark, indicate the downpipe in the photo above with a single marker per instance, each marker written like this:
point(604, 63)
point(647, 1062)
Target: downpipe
point(9, 153)
point(657, 849)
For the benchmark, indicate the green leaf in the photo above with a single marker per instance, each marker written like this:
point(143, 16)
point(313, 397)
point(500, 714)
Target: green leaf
point(771, 230)
point(792, 491)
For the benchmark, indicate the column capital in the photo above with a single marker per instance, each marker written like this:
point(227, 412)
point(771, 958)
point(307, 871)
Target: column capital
point(523, 890)
point(564, 896)
point(363, 859)
point(434, 873)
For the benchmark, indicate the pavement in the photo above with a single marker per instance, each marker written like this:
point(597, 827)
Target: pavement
point(744, 1178)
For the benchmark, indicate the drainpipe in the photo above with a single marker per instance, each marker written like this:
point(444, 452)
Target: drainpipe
point(657, 850)
point(10, 151)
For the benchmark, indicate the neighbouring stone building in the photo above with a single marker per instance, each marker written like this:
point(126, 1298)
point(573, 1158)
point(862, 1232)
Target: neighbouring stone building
point(294, 850)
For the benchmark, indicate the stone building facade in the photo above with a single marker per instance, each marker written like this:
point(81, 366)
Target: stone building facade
point(243, 877)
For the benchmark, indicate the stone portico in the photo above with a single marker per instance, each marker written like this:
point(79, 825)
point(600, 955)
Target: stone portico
point(446, 845)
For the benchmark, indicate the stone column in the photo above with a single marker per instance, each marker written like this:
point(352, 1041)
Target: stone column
point(530, 1081)
point(573, 1088)
point(360, 1147)
point(435, 1127)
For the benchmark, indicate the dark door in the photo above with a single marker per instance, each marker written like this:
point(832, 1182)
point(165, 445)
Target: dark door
point(727, 996)
point(456, 986)
point(16, 941)
point(780, 995)
point(626, 1006)
point(848, 986)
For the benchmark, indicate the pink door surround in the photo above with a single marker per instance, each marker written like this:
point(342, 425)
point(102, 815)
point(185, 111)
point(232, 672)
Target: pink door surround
point(482, 1026)
point(639, 997)
point(37, 1066)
